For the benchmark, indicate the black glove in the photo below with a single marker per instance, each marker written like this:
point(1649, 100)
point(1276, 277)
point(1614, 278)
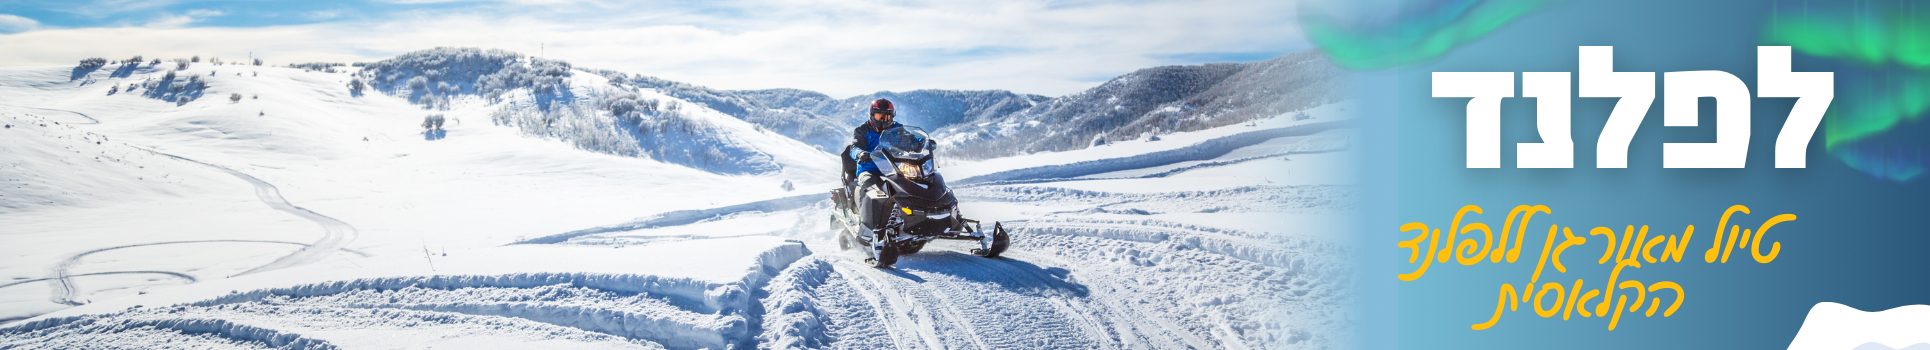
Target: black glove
point(863, 155)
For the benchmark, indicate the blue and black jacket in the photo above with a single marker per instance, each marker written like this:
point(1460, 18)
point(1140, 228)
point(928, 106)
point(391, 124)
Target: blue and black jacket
point(863, 139)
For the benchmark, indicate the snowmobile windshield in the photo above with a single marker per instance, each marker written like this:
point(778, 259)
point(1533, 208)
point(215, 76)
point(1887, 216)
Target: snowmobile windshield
point(905, 151)
point(905, 143)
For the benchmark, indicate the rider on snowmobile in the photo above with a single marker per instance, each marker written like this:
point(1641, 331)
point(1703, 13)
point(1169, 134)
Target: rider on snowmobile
point(894, 201)
point(860, 173)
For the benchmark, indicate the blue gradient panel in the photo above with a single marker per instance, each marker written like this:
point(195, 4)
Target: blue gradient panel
point(1858, 239)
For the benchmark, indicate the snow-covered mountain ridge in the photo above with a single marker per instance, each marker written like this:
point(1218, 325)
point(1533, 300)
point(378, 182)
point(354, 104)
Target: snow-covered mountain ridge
point(995, 123)
point(973, 124)
point(546, 98)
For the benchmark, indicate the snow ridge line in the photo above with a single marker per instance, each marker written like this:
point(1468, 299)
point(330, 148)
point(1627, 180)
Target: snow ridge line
point(685, 217)
point(1152, 231)
point(748, 291)
point(221, 328)
point(669, 326)
point(720, 315)
point(792, 318)
point(1208, 149)
point(1279, 197)
point(1175, 171)
point(335, 233)
point(685, 292)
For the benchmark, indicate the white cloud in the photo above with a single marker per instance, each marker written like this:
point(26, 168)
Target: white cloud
point(16, 24)
point(322, 15)
point(181, 20)
point(205, 13)
point(841, 48)
point(170, 21)
point(102, 8)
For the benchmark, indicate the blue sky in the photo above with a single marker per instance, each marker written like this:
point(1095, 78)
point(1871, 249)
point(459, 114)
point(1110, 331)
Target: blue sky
point(841, 48)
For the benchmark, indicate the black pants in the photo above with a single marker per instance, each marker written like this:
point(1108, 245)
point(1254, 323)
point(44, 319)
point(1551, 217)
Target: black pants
point(874, 211)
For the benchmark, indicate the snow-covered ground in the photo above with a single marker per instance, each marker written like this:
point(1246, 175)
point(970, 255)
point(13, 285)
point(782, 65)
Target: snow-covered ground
point(1837, 326)
point(302, 216)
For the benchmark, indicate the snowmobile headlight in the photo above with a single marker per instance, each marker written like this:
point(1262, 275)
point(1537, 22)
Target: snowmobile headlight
point(911, 170)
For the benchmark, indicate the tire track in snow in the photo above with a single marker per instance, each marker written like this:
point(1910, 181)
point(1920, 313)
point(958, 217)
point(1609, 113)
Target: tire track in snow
point(1142, 322)
point(190, 278)
point(899, 310)
point(1029, 299)
point(335, 233)
point(968, 293)
point(1094, 330)
point(1006, 267)
point(63, 283)
point(950, 311)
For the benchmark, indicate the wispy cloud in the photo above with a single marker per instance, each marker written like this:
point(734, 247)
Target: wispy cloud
point(16, 24)
point(205, 13)
point(103, 8)
point(838, 47)
point(166, 20)
point(322, 15)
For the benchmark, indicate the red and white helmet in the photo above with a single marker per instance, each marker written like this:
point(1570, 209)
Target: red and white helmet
point(881, 106)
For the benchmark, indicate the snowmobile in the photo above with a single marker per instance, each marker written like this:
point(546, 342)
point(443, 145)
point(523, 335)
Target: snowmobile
point(911, 206)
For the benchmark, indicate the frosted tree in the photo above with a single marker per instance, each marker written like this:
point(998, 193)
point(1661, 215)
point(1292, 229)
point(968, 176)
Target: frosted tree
point(432, 122)
point(419, 83)
point(91, 63)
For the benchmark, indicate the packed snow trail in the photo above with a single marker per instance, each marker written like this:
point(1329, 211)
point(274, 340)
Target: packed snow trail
point(1169, 253)
point(964, 301)
point(521, 310)
point(1088, 269)
point(1131, 288)
point(335, 233)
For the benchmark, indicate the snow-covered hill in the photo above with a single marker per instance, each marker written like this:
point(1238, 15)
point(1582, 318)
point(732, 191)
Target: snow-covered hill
point(1155, 101)
point(998, 123)
point(547, 98)
point(929, 109)
point(304, 215)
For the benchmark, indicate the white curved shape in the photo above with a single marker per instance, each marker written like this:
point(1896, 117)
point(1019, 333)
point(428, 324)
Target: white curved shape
point(1837, 326)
